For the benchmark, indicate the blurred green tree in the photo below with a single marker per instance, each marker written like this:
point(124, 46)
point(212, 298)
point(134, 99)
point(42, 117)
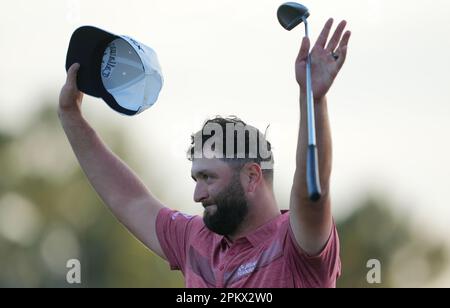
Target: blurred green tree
point(50, 214)
point(408, 256)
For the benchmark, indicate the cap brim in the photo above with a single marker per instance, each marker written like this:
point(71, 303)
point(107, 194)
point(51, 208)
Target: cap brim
point(86, 47)
point(110, 100)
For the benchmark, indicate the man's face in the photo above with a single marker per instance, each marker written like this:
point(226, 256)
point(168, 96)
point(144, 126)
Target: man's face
point(218, 188)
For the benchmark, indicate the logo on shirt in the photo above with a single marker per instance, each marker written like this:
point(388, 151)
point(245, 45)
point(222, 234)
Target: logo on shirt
point(176, 214)
point(246, 269)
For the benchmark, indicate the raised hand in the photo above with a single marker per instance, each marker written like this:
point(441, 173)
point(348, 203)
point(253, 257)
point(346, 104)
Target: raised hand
point(70, 97)
point(326, 61)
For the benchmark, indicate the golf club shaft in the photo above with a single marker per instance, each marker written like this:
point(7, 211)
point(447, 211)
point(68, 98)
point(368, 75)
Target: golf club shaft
point(312, 161)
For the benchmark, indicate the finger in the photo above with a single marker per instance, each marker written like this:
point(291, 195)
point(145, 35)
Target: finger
point(304, 50)
point(322, 39)
point(333, 43)
point(72, 75)
point(342, 50)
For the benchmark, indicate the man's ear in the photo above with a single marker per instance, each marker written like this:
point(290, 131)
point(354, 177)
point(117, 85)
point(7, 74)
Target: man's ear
point(253, 176)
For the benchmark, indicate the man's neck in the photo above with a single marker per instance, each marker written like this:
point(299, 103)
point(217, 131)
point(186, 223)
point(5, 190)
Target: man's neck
point(261, 211)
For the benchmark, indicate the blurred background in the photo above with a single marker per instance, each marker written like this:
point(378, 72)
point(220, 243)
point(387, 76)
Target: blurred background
point(389, 111)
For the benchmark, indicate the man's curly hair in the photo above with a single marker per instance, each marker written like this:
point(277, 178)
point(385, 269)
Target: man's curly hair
point(239, 159)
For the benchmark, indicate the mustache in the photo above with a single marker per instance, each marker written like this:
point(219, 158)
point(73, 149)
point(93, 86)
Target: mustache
point(206, 204)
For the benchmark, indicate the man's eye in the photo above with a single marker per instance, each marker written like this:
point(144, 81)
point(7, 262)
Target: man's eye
point(207, 178)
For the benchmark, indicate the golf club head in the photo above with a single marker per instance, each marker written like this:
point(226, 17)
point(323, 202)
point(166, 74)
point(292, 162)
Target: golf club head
point(291, 14)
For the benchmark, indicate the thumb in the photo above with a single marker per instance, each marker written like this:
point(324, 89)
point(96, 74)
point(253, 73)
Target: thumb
point(304, 50)
point(72, 75)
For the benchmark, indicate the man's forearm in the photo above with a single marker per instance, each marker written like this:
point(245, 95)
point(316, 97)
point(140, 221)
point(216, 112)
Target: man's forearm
point(115, 183)
point(324, 146)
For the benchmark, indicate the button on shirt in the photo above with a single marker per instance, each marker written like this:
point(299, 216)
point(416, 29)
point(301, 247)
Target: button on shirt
point(269, 257)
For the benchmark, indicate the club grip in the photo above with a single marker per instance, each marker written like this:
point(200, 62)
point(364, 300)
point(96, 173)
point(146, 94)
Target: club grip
point(312, 173)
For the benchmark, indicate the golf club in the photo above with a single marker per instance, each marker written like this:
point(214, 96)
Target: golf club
point(291, 14)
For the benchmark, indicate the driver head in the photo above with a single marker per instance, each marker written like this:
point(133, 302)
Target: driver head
point(291, 14)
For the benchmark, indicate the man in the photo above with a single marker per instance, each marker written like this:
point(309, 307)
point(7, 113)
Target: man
point(242, 240)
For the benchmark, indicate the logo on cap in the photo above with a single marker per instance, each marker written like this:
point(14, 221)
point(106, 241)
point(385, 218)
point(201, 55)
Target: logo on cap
point(108, 66)
point(135, 43)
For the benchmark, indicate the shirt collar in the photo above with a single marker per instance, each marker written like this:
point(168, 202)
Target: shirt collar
point(255, 236)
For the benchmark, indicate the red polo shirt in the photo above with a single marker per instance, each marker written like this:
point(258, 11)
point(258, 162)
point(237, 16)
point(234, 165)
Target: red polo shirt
point(269, 257)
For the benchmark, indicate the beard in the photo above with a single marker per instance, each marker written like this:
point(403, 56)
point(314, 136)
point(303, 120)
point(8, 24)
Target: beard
point(231, 208)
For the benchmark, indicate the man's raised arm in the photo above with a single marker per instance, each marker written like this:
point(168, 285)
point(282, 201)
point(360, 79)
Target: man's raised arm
point(117, 185)
point(311, 222)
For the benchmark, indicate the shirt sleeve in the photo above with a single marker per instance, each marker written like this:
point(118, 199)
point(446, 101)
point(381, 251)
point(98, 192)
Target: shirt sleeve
point(174, 229)
point(319, 271)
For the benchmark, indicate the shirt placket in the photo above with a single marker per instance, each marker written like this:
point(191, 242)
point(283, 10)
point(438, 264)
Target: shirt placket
point(227, 262)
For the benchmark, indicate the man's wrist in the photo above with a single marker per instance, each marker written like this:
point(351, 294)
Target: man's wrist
point(320, 100)
point(316, 99)
point(72, 114)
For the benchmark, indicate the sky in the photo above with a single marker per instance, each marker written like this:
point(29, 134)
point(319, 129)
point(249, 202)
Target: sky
point(389, 107)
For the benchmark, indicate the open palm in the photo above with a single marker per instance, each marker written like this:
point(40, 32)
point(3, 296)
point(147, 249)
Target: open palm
point(326, 62)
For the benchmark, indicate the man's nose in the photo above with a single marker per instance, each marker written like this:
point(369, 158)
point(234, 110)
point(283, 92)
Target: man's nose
point(200, 192)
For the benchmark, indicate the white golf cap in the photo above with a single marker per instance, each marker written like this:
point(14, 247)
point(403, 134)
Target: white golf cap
point(123, 72)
